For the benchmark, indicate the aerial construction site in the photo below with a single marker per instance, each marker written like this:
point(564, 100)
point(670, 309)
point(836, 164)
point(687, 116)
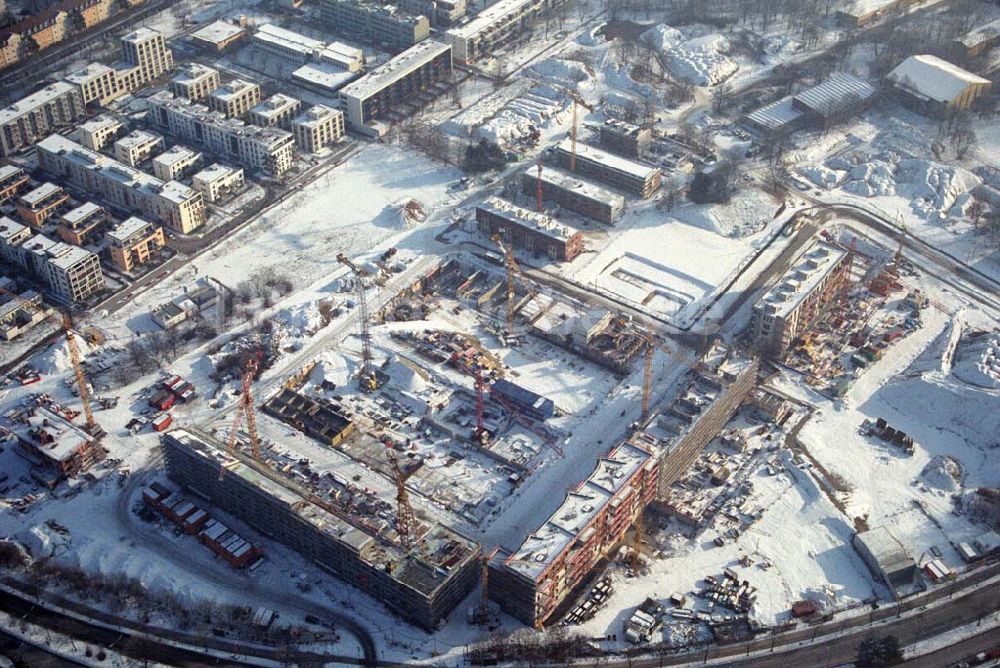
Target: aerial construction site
point(521, 332)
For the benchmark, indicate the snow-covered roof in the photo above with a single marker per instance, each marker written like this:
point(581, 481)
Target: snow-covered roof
point(214, 172)
point(572, 182)
point(885, 548)
point(491, 15)
point(137, 139)
point(81, 213)
point(983, 33)
point(325, 75)
point(837, 92)
point(543, 546)
point(35, 100)
point(813, 267)
point(128, 228)
point(88, 73)
point(217, 31)
point(275, 105)
point(9, 171)
point(865, 7)
point(233, 89)
point(287, 39)
point(140, 35)
point(776, 115)
point(176, 154)
point(193, 72)
point(101, 122)
point(315, 115)
point(932, 78)
point(395, 69)
point(534, 220)
point(40, 194)
point(608, 160)
point(67, 256)
point(65, 438)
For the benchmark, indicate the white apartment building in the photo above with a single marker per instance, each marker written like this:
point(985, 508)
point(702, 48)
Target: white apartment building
point(276, 111)
point(235, 98)
point(137, 146)
point(70, 273)
point(173, 164)
point(218, 181)
point(29, 119)
point(99, 132)
point(195, 81)
point(266, 149)
point(175, 205)
point(146, 57)
point(98, 83)
point(318, 127)
point(495, 26)
point(146, 49)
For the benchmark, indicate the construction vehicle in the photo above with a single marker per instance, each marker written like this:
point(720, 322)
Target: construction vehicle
point(512, 270)
point(368, 380)
point(244, 409)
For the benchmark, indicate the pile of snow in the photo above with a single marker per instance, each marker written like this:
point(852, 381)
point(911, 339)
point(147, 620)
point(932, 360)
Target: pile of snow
point(821, 176)
point(464, 123)
point(569, 72)
point(978, 359)
point(776, 48)
point(871, 179)
point(934, 188)
point(42, 542)
point(333, 367)
point(699, 61)
point(301, 319)
point(617, 76)
point(403, 377)
point(523, 115)
point(944, 473)
point(592, 36)
point(57, 358)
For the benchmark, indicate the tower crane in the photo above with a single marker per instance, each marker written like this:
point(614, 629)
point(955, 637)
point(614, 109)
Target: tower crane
point(244, 409)
point(572, 139)
point(647, 376)
point(512, 270)
point(367, 379)
point(405, 523)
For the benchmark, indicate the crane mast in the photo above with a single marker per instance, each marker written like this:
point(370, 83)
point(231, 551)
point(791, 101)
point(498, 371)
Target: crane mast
point(367, 378)
point(512, 270)
point(81, 380)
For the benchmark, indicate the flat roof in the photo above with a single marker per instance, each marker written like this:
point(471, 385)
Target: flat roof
point(776, 114)
point(395, 69)
point(41, 193)
point(81, 213)
point(288, 39)
point(984, 33)
point(215, 172)
point(489, 16)
point(67, 256)
point(35, 100)
point(10, 228)
point(70, 150)
point(607, 159)
point(125, 230)
point(217, 31)
point(141, 34)
point(814, 265)
point(527, 218)
point(544, 545)
point(324, 75)
point(176, 154)
point(193, 72)
point(232, 89)
point(7, 171)
point(66, 437)
point(100, 123)
point(268, 136)
point(274, 105)
point(885, 547)
point(571, 182)
point(315, 115)
point(932, 78)
point(138, 138)
point(88, 73)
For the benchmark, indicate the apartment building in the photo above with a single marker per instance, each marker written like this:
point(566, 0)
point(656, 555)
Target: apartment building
point(442, 13)
point(137, 147)
point(318, 127)
point(98, 83)
point(23, 123)
point(12, 181)
point(532, 581)
point(99, 132)
point(266, 149)
point(528, 230)
point(295, 49)
point(217, 182)
point(375, 23)
point(195, 81)
point(234, 99)
point(276, 111)
point(82, 225)
point(574, 194)
point(133, 243)
point(175, 205)
point(614, 170)
point(37, 206)
point(392, 84)
point(146, 49)
point(70, 273)
point(787, 311)
point(495, 26)
point(626, 139)
point(176, 163)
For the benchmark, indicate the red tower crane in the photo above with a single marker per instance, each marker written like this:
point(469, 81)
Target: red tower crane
point(245, 409)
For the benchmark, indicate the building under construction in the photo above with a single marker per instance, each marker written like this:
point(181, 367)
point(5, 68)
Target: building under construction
point(57, 447)
point(332, 522)
point(556, 558)
point(318, 419)
point(529, 230)
point(570, 192)
point(629, 175)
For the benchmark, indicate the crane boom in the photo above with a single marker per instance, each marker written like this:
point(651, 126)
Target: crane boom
point(367, 378)
point(81, 380)
point(512, 270)
point(405, 523)
point(647, 376)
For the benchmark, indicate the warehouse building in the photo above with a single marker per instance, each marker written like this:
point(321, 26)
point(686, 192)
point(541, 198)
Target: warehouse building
point(886, 558)
point(218, 36)
point(837, 99)
point(176, 163)
point(13, 180)
point(24, 122)
point(860, 13)
point(626, 139)
point(234, 99)
point(276, 111)
point(296, 49)
point(422, 585)
point(574, 194)
point(266, 149)
point(977, 41)
point(69, 273)
point(175, 205)
point(37, 206)
point(788, 309)
point(614, 170)
point(386, 89)
point(528, 230)
point(934, 87)
point(83, 225)
point(531, 582)
point(494, 27)
point(216, 182)
point(318, 127)
point(133, 242)
point(99, 132)
point(195, 81)
point(137, 147)
point(375, 23)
